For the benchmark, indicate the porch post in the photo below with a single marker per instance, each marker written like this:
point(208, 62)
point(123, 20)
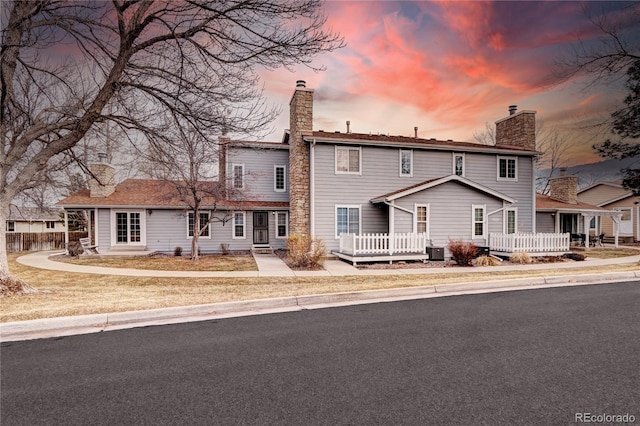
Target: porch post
point(616, 229)
point(66, 232)
point(586, 219)
point(392, 228)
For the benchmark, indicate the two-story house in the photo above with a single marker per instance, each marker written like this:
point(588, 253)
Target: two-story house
point(411, 192)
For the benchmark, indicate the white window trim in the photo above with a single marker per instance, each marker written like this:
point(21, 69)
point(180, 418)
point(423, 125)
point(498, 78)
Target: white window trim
point(453, 160)
point(244, 226)
point(507, 158)
point(286, 216)
point(415, 218)
point(208, 237)
point(346, 206)
point(410, 151)
point(473, 220)
point(338, 147)
point(275, 175)
point(143, 227)
point(233, 174)
point(11, 224)
point(506, 220)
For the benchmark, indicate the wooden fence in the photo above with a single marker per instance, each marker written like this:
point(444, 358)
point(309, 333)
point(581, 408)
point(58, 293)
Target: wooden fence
point(25, 241)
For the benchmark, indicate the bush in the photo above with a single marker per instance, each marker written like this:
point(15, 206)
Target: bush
point(177, 252)
point(303, 252)
point(462, 252)
point(521, 258)
point(574, 256)
point(486, 261)
point(75, 248)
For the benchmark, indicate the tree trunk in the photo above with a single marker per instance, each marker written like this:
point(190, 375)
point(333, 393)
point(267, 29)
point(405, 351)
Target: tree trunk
point(8, 283)
point(196, 234)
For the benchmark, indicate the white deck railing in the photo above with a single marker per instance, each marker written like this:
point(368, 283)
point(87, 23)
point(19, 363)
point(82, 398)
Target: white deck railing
point(529, 243)
point(381, 243)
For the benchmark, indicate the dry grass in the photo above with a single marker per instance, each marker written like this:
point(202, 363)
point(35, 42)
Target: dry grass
point(610, 253)
point(76, 294)
point(169, 263)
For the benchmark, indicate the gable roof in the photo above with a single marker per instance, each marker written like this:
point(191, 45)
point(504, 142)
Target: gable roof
point(439, 181)
point(412, 142)
point(152, 193)
point(548, 204)
point(616, 184)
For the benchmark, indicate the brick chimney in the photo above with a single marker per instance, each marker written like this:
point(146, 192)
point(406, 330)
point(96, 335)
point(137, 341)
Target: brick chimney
point(300, 124)
point(564, 189)
point(518, 129)
point(103, 181)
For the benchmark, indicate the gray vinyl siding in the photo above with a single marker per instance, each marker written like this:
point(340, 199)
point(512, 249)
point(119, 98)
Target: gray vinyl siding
point(545, 222)
point(380, 175)
point(259, 172)
point(167, 229)
point(104, 229)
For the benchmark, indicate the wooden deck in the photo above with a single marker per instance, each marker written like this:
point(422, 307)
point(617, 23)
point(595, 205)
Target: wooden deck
point(381, 257)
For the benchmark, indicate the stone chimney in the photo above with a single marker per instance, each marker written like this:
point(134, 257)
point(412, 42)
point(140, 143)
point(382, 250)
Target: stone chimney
point(222, 165)
point(564, 189)
point(103, 181)
point(300, 124)
point(518, 129)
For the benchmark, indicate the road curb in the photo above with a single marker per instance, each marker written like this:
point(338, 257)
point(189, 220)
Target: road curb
point(83, 324)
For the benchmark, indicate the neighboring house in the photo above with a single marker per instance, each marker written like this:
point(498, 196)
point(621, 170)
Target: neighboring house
point(391, 195)
point(562, 212)
point(34, 220)
point(613, 196)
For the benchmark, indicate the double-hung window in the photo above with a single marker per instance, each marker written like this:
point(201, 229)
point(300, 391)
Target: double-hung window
point(238, 176)
point(406, 162)
point(239, 221)
point(279, 178)
point(348, 160)
point(204, 219)
point(511, 221)
point(478, 221)
point(458, 164)
point(507, 168)
point(422, 218)
point(347, 220)
point(282, 224)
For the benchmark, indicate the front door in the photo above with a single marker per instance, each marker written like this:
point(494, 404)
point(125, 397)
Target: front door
point(260, 227)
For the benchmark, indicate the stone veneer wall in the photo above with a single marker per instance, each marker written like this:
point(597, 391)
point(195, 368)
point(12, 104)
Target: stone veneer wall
point(301, 122)
point(564, 189)
point(517, 130)
point(105, 184)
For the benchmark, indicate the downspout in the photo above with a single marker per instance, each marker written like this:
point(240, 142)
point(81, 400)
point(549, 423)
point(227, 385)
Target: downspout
point(312, 191)
point(95, 227)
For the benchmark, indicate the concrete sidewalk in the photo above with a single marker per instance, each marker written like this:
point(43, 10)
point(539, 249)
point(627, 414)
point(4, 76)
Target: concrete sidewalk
point(270, 265)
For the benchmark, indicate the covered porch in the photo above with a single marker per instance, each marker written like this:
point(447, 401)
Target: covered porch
point(383, 247)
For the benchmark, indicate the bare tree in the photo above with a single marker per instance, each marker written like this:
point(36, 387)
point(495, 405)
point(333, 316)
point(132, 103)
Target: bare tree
point(615, 56)
point(69, 67)
point(486, 136)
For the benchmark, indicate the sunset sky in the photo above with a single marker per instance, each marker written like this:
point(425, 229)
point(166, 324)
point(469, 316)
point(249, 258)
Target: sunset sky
point(450, 67)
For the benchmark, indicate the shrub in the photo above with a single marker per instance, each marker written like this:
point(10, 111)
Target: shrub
point(574, 256)
point(75, 248)
point(303, 252)
point(462, 252)
point(486, 261)
point(521, 258)
point(177, 252)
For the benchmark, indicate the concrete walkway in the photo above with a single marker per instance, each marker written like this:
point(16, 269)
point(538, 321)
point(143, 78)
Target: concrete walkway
point(270, 265)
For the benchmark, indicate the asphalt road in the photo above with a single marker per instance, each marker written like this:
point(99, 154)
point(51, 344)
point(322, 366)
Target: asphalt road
point(524, 357)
